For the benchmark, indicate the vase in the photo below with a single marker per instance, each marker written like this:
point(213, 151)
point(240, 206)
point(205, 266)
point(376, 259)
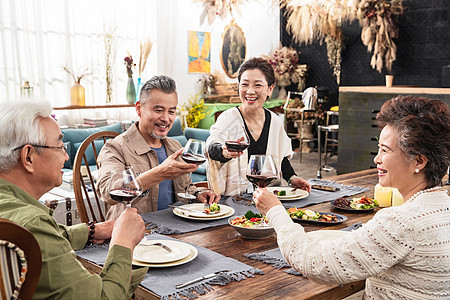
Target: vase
point(138, 88)
point(77, 95)
point(282, 84)
point(131, 91)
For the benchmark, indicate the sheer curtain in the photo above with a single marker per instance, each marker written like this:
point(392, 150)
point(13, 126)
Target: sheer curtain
point(39, 38)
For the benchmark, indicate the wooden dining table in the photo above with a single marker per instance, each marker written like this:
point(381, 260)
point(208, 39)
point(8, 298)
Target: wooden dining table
point(275, 283)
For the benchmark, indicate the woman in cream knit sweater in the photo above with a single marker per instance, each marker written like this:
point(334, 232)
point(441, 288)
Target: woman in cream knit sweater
point(404, 251)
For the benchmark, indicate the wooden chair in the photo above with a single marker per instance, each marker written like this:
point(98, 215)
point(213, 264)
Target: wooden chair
point(12, 236)
point(87, 153)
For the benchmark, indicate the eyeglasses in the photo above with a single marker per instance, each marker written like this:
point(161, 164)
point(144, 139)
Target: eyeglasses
point(258, 87)
point(63, 147)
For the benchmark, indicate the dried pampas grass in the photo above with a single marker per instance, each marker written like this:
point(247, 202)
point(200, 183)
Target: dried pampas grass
point(145, 48)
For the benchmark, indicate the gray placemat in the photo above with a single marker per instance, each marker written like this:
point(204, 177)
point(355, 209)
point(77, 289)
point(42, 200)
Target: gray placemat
point(316, 196)
point(166, 222)
point(162, 281)
point(275, 258)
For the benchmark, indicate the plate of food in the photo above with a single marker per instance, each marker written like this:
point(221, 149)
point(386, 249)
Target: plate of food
point(306, 215)
point(287, 193)
point(356, 204)
point(196, 211)
point(251, 226)
point(192, 254)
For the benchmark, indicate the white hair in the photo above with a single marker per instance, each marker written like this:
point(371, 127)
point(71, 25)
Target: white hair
point(19, 123)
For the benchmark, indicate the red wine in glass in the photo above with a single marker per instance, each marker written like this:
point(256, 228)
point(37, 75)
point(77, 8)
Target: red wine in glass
point(124, 186)
point(191, 158)
point(261, 180)
point(236, 146)
point(124, 195)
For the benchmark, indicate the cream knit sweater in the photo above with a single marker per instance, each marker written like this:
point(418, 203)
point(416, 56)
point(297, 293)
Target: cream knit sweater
point(403, 251)
point(222, 175)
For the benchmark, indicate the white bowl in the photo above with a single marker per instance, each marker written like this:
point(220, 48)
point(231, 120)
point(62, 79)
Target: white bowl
point(252, 233)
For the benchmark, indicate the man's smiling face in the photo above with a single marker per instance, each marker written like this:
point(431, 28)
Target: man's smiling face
point(156, 115)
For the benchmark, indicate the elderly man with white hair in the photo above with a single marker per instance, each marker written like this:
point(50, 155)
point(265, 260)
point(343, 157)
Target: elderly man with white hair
point(32, 155)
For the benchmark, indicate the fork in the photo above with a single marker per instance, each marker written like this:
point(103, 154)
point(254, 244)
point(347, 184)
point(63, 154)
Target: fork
point(205, 205)
point(147, 237)
point(159, 245)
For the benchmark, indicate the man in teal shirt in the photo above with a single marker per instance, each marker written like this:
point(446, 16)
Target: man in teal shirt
point(32, 155)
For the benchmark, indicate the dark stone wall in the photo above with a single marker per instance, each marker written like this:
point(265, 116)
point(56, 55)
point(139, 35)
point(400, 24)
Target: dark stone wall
point(423, 48)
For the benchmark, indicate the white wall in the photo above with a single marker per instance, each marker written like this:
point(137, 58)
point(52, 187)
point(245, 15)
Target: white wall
point(259, 21)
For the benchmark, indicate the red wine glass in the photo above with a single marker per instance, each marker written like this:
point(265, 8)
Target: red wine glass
point(261, 172)
point(124, 186)
point(194, 152)
point(237, 141)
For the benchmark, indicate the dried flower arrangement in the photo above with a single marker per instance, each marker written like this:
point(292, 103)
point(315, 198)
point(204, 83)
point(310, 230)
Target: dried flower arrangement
point(221, 8)
point(110, 56)
point(145, 48)
point(285, 64)
point(77, 78)
point(208, 82)
point(378, 19)
point(311, 20)
point(128, 61)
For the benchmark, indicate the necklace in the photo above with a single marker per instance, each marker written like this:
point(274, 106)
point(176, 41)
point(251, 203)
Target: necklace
point(421, 192)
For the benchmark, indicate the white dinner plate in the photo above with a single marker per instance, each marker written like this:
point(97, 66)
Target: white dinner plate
point(327, 235)
point(225, 211)
point(148, 253)
point(193, 252)
point(291, 193)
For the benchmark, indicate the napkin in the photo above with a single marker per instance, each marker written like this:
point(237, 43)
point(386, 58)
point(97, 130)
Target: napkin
point(162, 281)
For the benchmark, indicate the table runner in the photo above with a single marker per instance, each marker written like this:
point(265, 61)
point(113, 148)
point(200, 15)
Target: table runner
point(275, 258)
point(162, 281)
point(166, 222)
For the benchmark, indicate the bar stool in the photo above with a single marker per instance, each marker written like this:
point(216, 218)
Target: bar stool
point(327, 129)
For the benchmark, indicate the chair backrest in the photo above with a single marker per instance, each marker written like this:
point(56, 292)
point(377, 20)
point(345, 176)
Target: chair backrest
point(14, 239)
point(84, 186)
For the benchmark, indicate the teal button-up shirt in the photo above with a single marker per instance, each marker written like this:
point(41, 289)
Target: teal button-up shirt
point(62, 275)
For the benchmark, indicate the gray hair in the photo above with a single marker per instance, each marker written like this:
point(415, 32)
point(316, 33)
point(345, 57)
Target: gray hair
point(160, 82)
point(19, 123)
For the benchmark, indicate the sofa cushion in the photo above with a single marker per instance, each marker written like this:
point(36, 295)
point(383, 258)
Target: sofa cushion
point(74, 138)
point(176, 128)
point(196, 133)
point(181, 138)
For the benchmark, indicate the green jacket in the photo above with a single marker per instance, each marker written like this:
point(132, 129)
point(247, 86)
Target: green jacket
point(62, 275)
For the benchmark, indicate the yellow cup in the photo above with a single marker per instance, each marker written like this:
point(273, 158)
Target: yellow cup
point(397, 198)
point(383, 195)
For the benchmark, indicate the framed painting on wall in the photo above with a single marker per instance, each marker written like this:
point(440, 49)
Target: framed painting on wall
point(199, 47)
point(233, 49)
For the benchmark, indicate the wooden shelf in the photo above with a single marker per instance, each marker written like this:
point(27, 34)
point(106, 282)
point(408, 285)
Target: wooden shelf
point(92, 106)
point(394, 90)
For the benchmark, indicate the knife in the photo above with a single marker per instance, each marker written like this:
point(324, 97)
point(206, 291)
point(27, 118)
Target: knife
point(179, 286)
point(325, 188)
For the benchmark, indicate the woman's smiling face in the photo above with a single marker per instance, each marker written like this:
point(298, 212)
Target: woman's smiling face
point(394, 168)
point(253, 89)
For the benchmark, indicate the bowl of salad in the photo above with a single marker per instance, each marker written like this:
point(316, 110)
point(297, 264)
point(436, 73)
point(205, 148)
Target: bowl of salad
point(251, 226)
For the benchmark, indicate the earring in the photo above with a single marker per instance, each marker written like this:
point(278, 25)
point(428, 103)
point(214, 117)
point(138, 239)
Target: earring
point(416, 171)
